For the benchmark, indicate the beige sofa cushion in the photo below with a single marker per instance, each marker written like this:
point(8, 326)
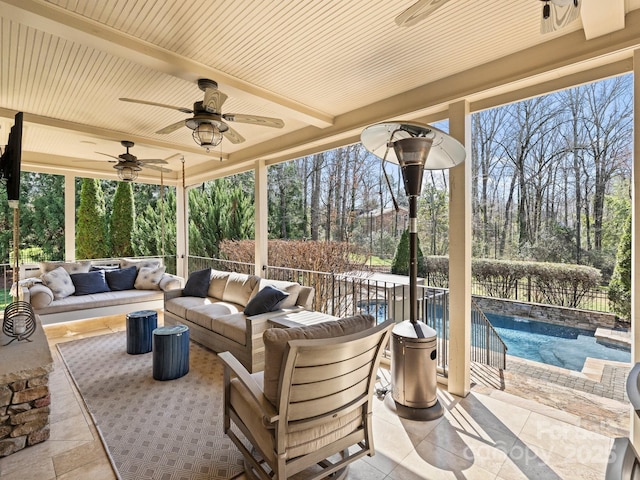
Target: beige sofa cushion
point(239, 288)
point(204, 315)
point(232, 326)
point(217, 283)
point(70, 267)
point(179, 305)
point(142, 263)
point(275, 342)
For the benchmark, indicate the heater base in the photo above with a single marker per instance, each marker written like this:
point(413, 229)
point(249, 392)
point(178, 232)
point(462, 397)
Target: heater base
point(411, 413)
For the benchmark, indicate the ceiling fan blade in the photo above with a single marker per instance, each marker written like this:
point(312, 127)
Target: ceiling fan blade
point(93, 161)
point(213, 100)
point(171, 157)
point(254, 120)
point(233, 136)
point(154, 161)
point(154, 104)
point(418, 12)
point(171, 128)
point(159, 169)
point(561, 14)
point(112, 156)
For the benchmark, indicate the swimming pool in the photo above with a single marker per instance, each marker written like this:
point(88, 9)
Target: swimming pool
point(558, 345)
point(565, 347)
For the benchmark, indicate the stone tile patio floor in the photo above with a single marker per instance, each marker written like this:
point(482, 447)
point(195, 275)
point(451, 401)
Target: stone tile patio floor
point(529, 421)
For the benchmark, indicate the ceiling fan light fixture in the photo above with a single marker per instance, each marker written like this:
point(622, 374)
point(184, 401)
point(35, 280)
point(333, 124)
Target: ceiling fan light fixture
point(207, 135)
point(127, 174)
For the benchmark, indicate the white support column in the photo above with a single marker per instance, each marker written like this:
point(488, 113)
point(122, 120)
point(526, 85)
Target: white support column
point(460, 256)
point(69, 218)
point(635, 239)
point(182, 231)
point(261, 217)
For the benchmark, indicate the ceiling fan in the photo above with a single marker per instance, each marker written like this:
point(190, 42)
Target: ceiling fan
point(557, 14)
point(208, 123)
point(418, 12)
point(128, 165)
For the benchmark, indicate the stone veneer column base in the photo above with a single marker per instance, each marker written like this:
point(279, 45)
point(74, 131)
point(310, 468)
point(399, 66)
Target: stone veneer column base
point(24, 392)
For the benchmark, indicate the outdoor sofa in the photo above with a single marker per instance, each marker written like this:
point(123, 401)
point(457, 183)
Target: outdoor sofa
point(64, 291)
point(230, 311)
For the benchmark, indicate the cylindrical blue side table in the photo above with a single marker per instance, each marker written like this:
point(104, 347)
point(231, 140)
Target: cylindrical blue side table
point(170, 352)
point(140, 325)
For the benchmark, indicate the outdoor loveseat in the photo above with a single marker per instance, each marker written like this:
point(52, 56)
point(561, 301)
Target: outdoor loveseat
point(64, 291)
point(230, 311)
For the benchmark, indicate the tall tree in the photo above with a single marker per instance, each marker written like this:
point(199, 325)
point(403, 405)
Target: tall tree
point(155, 227)
point(92, 240)
point(122, 221)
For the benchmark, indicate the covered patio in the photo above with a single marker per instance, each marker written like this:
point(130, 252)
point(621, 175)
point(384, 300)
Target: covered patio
point(326, 70)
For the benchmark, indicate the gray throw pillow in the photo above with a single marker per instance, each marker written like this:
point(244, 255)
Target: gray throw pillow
point(266, 300)
point(59, 281)
point(121, 278)
point(197, 284)
point(90, 282)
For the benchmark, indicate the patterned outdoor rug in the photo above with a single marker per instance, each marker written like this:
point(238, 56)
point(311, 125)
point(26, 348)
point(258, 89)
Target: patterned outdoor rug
point(152, 429)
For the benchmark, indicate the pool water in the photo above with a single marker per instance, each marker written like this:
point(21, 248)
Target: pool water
point(565, 347)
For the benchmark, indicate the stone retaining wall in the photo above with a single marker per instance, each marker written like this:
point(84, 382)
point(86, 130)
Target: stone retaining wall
point(571, 317)
point(24, 414)
point(24, 391)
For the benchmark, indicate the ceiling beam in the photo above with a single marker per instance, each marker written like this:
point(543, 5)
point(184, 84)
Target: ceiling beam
point(57, 21)
point(600, 18)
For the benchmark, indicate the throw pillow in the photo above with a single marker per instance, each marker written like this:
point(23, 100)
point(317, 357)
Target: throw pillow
point(291, 288)
point(122, 278)
point(90, 282)
point(197, 284)
point(59, 282)
point(275, 342)
point(149, 278)
point(266, 300)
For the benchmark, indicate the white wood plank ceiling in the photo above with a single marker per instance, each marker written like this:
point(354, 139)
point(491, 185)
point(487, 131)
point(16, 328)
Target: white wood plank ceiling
point(326, 68)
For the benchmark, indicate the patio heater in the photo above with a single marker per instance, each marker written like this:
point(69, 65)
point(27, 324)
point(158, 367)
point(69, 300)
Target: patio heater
point(415, 147)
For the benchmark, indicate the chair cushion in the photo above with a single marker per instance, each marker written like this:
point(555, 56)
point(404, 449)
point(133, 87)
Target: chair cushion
point(239, 288)
point(299, 442)
point(292, 288)
point(217, 283)
point(121, 278)
point(90, 282)
point(59, 281)
point(149, 278)
point(275, 342)
point(266, 300)
point(197, 284)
